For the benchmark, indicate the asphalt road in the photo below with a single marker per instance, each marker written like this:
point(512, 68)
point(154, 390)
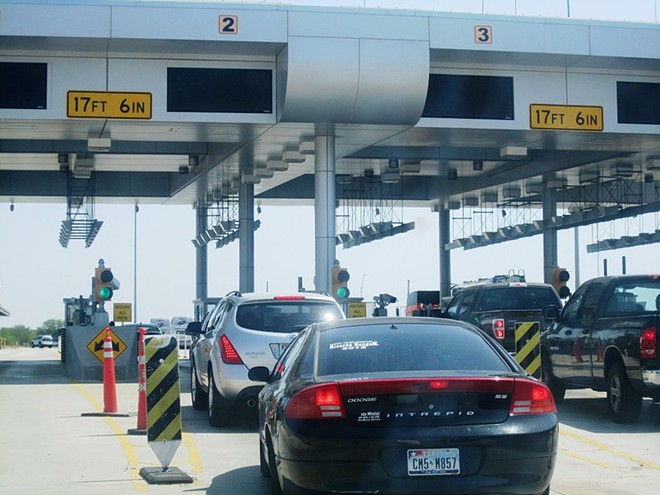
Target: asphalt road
point(50, 445)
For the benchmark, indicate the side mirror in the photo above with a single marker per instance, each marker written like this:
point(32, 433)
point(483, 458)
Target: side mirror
point(194, 328)
point(551, 313)
point(259, 374)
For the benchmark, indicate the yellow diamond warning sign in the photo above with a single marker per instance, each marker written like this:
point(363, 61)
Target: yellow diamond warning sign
point(96, 345)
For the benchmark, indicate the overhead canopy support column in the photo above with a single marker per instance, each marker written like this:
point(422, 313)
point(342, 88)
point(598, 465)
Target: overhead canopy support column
point(246, 237)
point(201, 261)
point(549, 234)
point(324, 206)
point(445, 256)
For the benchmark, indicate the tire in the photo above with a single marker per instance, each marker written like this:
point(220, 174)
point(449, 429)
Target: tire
point(263, 465)
point(219, 413)
point(275, 487)
point(624, 402)
point(547, 376)
point(200, 399)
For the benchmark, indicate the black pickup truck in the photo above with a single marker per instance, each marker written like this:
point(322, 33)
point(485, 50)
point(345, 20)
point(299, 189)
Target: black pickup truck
point(605, 339)
point(499, 308)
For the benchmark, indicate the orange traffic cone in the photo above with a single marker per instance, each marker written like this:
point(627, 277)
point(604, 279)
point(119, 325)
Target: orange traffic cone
point(109, 386)
point(142, 388)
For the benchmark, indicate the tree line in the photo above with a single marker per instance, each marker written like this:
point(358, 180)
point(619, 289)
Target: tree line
point(20, 335)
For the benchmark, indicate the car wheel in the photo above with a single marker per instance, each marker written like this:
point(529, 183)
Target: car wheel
point(263, 465)
point(218, 412)
point(197, 394)
point(625, 402)
point(275, 487)
point(556, 387)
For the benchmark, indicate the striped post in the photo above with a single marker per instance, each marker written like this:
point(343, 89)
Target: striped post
point(163, 396)
point(528, 346)
point(109, 384)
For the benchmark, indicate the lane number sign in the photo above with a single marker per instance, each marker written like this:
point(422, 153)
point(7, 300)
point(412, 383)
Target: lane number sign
point(228, 24)
point(108, 105)
point(483, 35)
point(567, 117)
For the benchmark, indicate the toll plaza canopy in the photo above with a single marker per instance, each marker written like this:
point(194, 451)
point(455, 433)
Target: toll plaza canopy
point(187, 103)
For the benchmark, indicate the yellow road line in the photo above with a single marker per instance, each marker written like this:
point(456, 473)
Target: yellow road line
point(601, 446)
point(194, 457)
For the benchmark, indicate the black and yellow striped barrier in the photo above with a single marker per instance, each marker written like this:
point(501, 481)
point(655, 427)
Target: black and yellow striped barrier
point(528, 346)
point(161, 354)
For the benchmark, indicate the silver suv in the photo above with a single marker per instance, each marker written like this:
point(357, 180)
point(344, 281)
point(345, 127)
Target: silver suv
point(241, 332)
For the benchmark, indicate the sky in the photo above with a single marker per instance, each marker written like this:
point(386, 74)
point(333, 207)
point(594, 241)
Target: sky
point(36, 273)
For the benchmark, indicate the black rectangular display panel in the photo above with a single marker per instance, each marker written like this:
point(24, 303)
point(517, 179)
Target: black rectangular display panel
point(23, 85)
point(469, 97)
point(638, 103)
point(219, 90)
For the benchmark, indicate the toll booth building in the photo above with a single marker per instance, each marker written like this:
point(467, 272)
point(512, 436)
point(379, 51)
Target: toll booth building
point(221, 104)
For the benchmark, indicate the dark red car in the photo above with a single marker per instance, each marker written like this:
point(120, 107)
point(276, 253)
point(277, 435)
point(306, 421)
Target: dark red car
point(401, 405)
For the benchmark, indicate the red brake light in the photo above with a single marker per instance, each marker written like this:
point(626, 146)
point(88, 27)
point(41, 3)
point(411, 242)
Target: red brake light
point(288, 298)
point(530, 397)
point(317, 402)
point(648, 344)
point(498, 328)
point(228, 352)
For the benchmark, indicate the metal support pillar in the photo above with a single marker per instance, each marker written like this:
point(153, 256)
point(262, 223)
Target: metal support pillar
point(445, 254)
point(201, 261)
point(549, 234)
point(324, 207)
point(246, 237)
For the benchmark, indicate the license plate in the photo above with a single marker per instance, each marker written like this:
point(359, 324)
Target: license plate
point(433, 462)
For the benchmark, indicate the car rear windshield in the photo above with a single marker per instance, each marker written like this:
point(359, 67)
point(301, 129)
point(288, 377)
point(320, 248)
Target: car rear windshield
point(405, 348)
point(505, 298)
point(284, 316)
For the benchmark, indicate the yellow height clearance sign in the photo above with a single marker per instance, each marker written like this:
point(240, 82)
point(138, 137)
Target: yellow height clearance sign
point(567, 117)
point(108, 105)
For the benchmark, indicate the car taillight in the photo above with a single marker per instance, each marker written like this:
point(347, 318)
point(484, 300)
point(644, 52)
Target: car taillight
point(317, 402)
point(228, 352)
point(498, 328)
point(648, 344)
point(530, 397)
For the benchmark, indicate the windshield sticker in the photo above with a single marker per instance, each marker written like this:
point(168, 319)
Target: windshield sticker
point(354, 345)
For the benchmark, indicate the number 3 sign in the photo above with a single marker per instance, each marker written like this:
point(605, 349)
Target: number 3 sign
point(483, 35)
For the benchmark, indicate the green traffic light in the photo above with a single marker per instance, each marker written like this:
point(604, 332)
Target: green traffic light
point(105, 293)
point(342, 292)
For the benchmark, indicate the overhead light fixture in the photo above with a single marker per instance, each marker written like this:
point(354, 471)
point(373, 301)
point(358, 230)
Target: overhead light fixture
point(511, 192)
point(470, 201)
point(193, 161)
point(477, 165)
point(653, 163)
point(277, 165)
point(63, 161)
point(183, 169)
point(82, 168)
point(292, 157)
point(534, 188)
point(489, 197)
point(453, 204)
point(390, 176)
point(99, 144)
point(622, 169)
point(515, 152)
point(250, 179)
point(263, 172)
point(452, 174)
point(410, 166)
point(306, 147)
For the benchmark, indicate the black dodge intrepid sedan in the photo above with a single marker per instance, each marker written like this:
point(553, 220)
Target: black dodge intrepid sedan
point(401, 405)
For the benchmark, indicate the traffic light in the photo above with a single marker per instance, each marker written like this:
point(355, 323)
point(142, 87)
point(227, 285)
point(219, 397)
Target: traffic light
point(103, 284)
point(340, 278)
point(559, 278)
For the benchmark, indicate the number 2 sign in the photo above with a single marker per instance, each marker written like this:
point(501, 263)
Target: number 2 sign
point(483, 35)
point(228, 24)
